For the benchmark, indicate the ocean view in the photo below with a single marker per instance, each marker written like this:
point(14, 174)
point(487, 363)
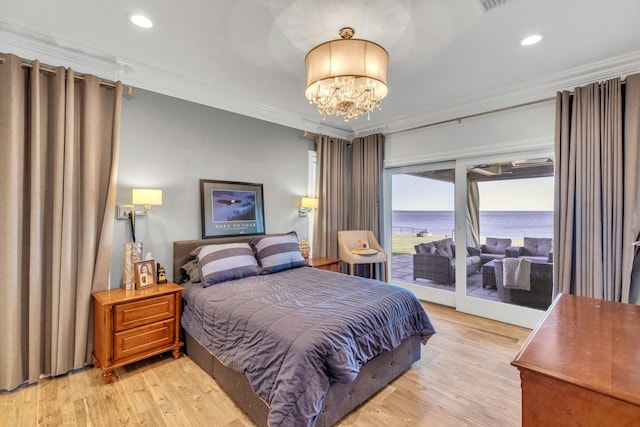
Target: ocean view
point(514, 224)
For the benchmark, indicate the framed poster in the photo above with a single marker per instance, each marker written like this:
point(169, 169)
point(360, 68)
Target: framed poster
point(231, 208)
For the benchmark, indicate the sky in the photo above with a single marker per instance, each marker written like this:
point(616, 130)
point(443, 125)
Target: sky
point(419, 194)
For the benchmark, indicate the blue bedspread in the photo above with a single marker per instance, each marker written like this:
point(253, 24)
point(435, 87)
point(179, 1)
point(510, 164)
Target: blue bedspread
point(294, 332)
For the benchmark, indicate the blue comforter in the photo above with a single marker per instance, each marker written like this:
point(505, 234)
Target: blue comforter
point(294, 332)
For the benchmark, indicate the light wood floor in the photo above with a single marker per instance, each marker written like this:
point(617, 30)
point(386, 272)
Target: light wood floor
point(463, 379)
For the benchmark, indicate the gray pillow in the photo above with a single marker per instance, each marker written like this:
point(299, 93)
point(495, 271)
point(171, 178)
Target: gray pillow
point(229, 261)
point(496, 246)
point(192, 271)
point(278, 252)
point(443, 247)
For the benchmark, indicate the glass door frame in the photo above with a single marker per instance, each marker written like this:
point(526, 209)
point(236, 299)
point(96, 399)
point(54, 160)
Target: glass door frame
point(437, 296)
point(503, 312)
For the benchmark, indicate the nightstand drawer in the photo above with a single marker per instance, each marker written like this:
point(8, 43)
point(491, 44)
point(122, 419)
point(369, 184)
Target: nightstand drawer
point(133, 314)
point(143, 339)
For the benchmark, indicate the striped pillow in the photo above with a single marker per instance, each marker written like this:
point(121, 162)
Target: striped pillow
point(277, 253)
point(229, 261)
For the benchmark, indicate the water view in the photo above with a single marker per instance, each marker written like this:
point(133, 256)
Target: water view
point(514, 224)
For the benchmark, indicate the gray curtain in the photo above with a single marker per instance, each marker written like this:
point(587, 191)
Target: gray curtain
point(367, 166)
point(473, 213)
point(58, 162)
point(597, 202)
point(349, 189)
point(331, 190)
point(365, 198)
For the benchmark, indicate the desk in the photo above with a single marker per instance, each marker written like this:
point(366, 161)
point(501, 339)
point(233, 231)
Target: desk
point(581, 365)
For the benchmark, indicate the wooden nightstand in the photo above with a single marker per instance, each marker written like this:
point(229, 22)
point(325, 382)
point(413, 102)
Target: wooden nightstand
point(331, 264)
point(132, 325)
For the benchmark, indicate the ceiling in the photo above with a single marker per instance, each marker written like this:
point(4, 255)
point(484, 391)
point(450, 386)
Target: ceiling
point(448, 58)
point(515, 169)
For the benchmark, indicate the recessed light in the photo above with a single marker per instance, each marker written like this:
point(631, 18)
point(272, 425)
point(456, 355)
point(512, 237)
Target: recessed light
point(533, 39)
point(141, 21)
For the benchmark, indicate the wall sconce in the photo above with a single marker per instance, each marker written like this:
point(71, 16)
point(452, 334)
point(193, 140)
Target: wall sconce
point(139, 196)
point(306, 204)
point(146, 197)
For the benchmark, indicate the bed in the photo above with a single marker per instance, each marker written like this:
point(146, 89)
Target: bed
point(224, 335)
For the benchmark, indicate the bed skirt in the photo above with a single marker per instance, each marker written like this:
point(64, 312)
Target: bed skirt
point(340, 399)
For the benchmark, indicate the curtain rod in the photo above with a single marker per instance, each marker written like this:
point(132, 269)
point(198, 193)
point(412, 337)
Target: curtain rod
point(469, 116)
point(127, 89)
point(497, 110)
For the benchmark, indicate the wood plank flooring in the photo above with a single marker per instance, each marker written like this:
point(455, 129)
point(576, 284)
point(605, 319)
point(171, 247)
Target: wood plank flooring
point(463, 379)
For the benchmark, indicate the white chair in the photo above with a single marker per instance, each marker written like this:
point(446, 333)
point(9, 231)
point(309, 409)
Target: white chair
point(348, 240)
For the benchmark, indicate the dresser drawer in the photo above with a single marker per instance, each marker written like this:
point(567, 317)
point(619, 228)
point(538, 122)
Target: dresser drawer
point(143, 339)
point(138, 313)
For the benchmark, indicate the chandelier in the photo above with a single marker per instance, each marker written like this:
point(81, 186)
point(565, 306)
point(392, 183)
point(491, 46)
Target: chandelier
point(347, 77)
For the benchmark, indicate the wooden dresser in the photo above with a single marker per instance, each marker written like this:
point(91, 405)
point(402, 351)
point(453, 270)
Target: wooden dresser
point(581, 365)
point(132, 325)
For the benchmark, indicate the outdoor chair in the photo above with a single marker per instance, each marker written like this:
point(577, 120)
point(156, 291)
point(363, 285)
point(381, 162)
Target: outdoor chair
point(494, 248)
point(436, 261)
point(534, 249)
point(541, 286)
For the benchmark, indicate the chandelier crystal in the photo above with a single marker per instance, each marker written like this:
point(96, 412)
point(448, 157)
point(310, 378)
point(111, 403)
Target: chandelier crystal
point(347, 77)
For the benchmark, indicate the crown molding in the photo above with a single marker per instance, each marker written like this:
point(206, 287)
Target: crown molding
point(30, 46)
point(531, 90)
point(55, 51)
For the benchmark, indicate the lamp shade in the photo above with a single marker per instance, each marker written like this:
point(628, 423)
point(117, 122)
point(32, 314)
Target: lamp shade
point(352, 57)
point(347, 77)
point(146, 196)
point(309, 203)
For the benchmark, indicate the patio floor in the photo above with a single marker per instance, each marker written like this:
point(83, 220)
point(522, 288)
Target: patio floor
point(402, 267)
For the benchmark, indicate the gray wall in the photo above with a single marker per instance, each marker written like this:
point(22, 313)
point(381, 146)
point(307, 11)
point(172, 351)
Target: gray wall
point(171, 144)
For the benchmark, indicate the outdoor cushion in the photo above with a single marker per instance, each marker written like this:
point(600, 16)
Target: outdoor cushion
point(443, 247)
point(425, 248)
point(496, 246)
point(537, 246)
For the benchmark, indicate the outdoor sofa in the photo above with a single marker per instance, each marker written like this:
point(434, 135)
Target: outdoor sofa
point(436, 261)
point(534, 249)
point(494, 248)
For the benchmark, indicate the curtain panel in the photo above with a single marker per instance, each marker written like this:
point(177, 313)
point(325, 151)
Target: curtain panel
point(596, 185)
point(331, 190)
point(365, 201)
point(58, 161)
point(349, 187)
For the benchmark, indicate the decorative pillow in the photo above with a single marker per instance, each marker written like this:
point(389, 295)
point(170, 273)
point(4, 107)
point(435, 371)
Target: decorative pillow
point(278, 252)
point(425, 248)
point(191, 271)
point(537, 246)
point(229, 261)
point(496, 246)
point(443, 247)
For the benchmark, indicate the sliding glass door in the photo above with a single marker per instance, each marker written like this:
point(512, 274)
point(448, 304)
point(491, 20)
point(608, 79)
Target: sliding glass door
point(500, 210)
point(422, 212)
point(510, 219)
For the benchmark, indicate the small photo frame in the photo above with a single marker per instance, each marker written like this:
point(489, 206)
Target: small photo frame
point(145, 273)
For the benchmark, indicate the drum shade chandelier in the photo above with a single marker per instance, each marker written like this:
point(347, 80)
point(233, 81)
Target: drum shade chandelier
point(347, 77)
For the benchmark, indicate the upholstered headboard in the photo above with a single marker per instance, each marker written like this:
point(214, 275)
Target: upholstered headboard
point(182, 248)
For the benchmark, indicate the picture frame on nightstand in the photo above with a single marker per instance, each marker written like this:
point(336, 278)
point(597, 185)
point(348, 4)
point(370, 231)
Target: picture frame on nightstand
point(145, 273)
